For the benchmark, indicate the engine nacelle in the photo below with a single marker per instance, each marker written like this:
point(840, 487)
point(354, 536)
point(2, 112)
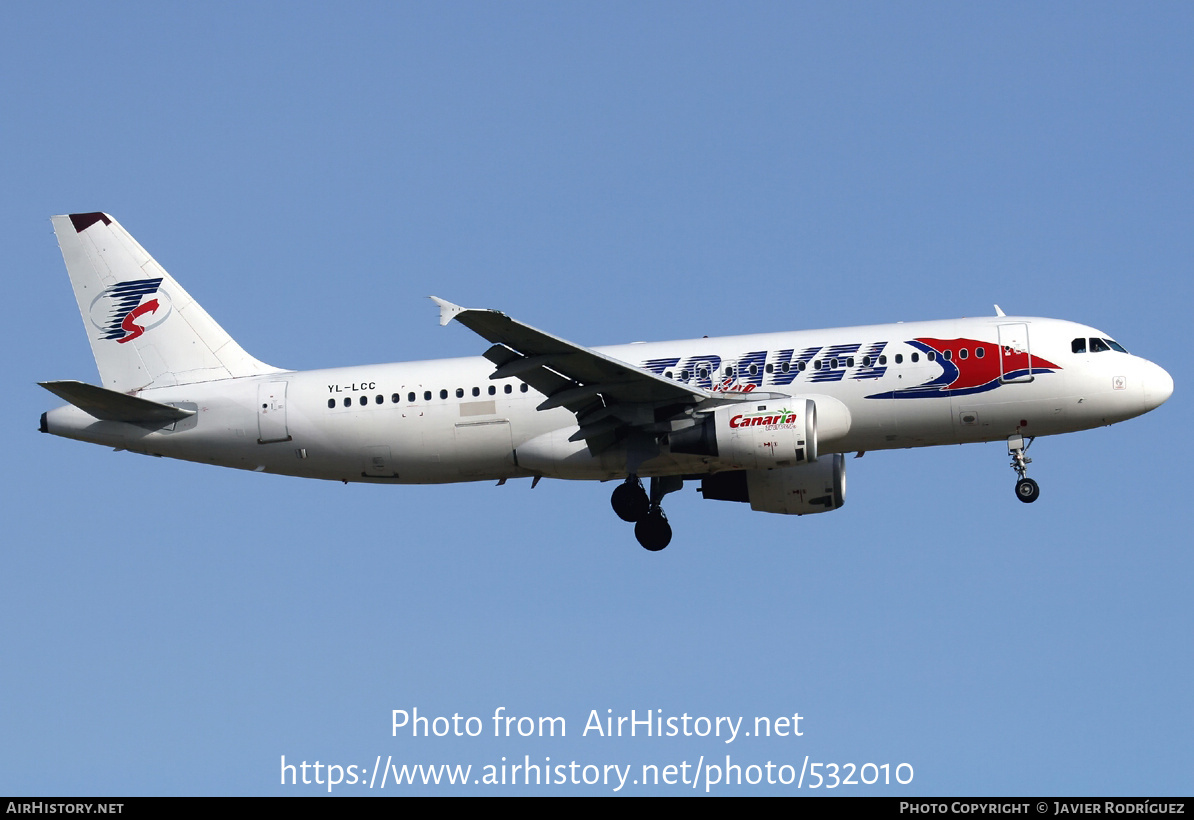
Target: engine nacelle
point(809, 488)
point(765, 434)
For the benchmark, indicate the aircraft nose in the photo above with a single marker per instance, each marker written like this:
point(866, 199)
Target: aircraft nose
point(1158, 385)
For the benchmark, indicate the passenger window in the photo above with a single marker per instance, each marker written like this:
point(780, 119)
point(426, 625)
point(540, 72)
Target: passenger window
point(850, 362)
point(331, 403)
point(364, 400)
point(916, 357)
point(882, 360)
point(770, 368)
point(729, 372)
point(396, 398)
point(754, 370)
point(1078, 346)
point(443, 394)
point(899, 358)
point(426, 395)
point(508, 389)
point(785, 367)
point(522, 388)
point(492, 390)
point(931, 356)
point(949, 355)
point(476, 391)
point(964, 353)
point(816, 364)
point(979, 352)
point(348, 402)
point(866, 361)
point(803, 366)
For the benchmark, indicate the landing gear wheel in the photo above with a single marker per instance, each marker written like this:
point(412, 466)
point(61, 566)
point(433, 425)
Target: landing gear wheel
point(1027, 490)
point(630, 501)
point(653, 531)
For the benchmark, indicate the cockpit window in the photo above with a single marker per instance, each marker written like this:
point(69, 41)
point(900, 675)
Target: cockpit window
point(1078, 345)
point(1115, 345)
point(1098, 346)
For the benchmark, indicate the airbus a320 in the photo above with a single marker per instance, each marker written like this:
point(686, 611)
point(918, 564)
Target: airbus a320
point(763, 419)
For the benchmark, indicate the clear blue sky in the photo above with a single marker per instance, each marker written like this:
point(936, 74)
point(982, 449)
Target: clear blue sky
point(609, 172)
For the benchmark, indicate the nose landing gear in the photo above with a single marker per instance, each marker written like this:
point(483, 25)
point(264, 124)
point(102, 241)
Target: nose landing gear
point(1027, 490)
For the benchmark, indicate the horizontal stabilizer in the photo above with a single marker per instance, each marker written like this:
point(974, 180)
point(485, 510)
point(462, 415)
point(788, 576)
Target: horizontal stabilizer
point(108, 405)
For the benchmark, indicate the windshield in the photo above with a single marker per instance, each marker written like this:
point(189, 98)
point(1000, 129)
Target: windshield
point(1095, 345)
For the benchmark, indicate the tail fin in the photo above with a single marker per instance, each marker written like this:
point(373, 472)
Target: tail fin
point(143, 327)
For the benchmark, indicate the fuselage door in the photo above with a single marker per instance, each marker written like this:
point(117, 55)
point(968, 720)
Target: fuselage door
point(271, 412)
point(1015, 356)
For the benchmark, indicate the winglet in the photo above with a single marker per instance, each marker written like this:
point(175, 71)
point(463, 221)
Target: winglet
point(447, 310)
point(999, 311)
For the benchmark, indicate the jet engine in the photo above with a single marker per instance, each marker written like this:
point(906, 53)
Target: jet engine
point(765, 434)
point(802, 490)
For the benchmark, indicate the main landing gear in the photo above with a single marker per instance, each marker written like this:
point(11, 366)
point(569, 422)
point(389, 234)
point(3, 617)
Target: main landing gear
point(630, 500)
point(1026, 489)
point(631, 503)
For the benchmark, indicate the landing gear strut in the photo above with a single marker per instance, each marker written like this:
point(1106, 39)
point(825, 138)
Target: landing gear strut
point(631, 503)
point(1026, 489)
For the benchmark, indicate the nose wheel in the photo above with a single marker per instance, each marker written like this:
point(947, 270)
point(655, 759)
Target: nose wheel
point(1027, 490)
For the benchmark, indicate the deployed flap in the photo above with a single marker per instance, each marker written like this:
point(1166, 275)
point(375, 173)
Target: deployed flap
point(535, 356)
point(108, 405)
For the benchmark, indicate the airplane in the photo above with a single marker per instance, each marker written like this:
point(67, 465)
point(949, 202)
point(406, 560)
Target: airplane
point(763, 419)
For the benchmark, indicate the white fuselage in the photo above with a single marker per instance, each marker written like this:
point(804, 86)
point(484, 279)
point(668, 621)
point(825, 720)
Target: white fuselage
point(446, 420)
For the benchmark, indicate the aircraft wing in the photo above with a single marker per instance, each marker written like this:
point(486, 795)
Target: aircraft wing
point(607, 395)
point(572, 375)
